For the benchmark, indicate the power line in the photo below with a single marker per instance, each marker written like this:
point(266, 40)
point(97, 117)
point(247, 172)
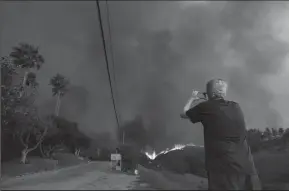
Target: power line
point(111, 48)
point(113, 60)
point(106, 61)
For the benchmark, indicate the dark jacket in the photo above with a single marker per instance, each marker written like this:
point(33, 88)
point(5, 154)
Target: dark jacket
point(226, 145)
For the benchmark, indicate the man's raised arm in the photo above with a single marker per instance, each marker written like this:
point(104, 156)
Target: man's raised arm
point(192, 102)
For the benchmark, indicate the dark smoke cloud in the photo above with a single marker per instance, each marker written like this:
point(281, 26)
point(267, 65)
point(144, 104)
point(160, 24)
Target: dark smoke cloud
point(227, 40)
point(162, 51)
point(73, 104)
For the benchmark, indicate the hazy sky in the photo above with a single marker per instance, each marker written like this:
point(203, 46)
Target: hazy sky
point(162, 51)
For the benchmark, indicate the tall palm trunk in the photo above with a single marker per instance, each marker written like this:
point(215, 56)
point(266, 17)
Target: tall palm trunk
point(58, 102)
point(56, 106)
point(24, 83)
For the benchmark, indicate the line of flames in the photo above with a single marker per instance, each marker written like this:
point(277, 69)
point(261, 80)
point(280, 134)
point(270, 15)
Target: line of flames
point(153, 155)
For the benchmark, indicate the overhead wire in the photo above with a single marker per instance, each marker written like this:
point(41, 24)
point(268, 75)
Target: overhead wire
point(113, 62)
point(106, 61)
point(110, 38)
point(112, 52)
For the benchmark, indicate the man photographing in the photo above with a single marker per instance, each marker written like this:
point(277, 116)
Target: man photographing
point(229, 162)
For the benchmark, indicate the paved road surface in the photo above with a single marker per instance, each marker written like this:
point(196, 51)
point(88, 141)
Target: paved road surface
point(93, 176)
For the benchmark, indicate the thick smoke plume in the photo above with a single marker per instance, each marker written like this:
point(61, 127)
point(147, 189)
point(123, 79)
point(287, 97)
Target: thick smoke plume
point(180, 48)
point(162, 50)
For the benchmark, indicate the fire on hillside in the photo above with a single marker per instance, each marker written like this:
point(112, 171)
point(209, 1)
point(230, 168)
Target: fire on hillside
point(153, 154)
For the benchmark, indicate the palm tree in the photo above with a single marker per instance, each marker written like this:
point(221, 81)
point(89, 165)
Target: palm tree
point(59, 87)
point(7, 71)
point(27, 57)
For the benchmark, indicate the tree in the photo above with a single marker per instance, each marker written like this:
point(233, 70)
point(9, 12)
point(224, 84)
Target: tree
point(9, 94)
point(52, 141)
point(19, 116)
point(281, 131)
point(13, 103)
point(9, 102)
point(8, 70)
point(27, 57)
point(30, 124)
point(59, 87)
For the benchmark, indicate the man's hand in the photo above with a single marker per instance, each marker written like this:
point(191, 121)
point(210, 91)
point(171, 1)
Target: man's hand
point(198, 95)
point(195, 94)
point(189, 103)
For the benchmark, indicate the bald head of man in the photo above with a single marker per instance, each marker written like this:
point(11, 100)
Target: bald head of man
point(217, 88)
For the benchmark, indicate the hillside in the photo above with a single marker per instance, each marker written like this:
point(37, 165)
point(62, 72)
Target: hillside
point(188, 160)
point(271, 162)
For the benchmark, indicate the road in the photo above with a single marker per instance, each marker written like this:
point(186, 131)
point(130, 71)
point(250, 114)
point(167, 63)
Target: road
point(92, 176)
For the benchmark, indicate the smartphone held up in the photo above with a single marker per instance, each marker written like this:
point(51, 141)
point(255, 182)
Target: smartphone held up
point(200, 95)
